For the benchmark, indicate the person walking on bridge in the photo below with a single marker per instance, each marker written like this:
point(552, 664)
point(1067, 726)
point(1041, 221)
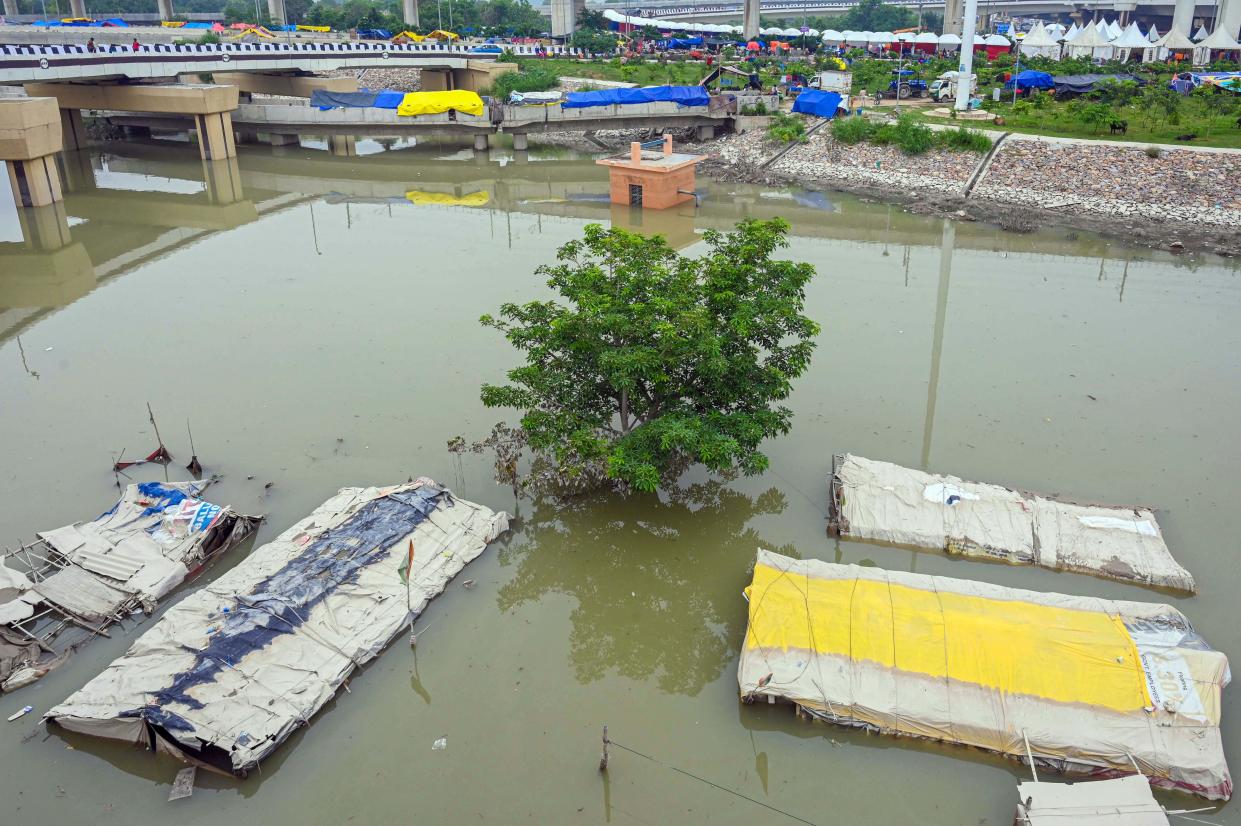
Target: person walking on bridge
point(90, 45)
point(136, 45)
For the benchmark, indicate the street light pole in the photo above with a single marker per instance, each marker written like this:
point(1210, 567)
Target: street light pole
point(965, 72)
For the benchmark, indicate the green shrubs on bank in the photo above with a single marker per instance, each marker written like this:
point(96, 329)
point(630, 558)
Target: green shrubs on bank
point(909, 134)
point(786, 128)
point(530, 78)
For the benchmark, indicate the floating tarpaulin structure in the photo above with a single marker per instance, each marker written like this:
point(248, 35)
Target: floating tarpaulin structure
point(884, 502)
point(681, 95)
point(433, 103)
point(819, 103)
point(1080, 683)
point(232, 670)
point(1122, 801)
point(75, 581)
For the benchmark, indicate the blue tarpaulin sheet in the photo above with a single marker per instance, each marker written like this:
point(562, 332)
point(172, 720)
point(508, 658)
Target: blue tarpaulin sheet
point(374, 34)
point(388, 99)
point(197, 24)
point(1030, 79)
point(113, 21)
point(362, 98)
point(682, 42)
point(816, 102)
point(682, 95)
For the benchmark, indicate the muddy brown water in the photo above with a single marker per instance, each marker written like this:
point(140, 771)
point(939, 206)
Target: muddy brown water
point(319, 327)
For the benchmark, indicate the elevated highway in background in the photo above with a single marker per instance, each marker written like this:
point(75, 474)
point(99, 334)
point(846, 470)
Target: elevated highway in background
point(40, 63)
point(731, 12)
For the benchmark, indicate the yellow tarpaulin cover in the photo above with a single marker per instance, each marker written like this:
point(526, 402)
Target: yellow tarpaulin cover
point(304, 28)
point(440, 34)
point(474, 199)
point(1060, 654)
point(414, 36)
point(172, 24)
point(257, 31)
point(433, 103)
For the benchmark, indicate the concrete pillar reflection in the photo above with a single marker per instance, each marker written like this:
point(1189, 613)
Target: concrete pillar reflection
point(77, 8)
point(947, 244)
point(343, 145)
point(10, 8)
point(223, 180)
point(409, 9)
point(275, 10)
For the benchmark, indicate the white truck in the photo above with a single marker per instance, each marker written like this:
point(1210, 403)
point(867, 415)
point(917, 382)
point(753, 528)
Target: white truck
point(841, 82)
point(944, 87)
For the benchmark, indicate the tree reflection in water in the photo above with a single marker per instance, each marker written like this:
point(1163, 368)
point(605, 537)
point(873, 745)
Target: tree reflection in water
point(657, 579)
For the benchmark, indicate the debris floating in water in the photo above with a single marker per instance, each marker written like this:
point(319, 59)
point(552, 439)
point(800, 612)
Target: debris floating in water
point(183, 785)
point(22, 713)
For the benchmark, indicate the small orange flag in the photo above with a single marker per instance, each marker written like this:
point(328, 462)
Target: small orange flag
point(406, 564)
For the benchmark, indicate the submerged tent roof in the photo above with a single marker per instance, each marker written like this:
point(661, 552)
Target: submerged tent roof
point(1091, 684)
point(1122, 801)
point(154, 537)
point(232, 670)
point(888, 503)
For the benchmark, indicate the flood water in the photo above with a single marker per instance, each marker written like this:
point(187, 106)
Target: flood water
point(316, 318)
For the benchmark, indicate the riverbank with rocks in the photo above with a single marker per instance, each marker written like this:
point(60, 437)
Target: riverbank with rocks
point(1171, 198)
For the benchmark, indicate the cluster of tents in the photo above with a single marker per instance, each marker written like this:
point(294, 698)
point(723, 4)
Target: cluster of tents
point(1106, 40)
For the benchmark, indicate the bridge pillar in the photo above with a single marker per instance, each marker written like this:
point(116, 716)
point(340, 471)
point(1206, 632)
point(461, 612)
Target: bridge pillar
point(10, 8)
point(409, 9)
point(275, 10)
point(165, 9)
point(284, 85)
point(1229, 17)
point(1183, 17)
point(436, 80)
point(78, 7)
point(30, 139)
point(215, 136)
point(344, 145)
point(480, 142)
point(521, 142)
point(706, 132)
point(954, 11)
point(73, 129)
point(564, 16)
point(749, 21)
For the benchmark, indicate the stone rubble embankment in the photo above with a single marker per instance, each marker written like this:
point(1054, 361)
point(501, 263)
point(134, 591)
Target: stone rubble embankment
point(1173, 198)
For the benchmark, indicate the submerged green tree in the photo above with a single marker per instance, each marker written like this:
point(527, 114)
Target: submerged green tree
point(658, 361)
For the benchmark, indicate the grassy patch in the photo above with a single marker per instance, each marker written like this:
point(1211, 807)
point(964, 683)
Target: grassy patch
point(786, 128)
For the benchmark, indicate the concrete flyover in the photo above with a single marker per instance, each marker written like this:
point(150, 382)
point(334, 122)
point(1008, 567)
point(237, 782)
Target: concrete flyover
point(32, 63)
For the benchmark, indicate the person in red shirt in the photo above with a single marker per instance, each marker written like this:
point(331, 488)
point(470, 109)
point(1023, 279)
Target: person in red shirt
point(136, 45)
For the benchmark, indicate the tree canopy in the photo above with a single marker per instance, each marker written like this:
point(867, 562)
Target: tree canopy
point(657, 361)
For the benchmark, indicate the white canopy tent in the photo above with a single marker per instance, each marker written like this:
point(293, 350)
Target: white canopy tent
point(950, 41)
point(929, 38)
point(1089, 43)
point(857, 38)
point(1153, 34)
point(790, 32)
point(1040, 43)
point(833, 37)
point(1130, 39)
point(1072, 32)
point(997, 40)
point(1218, 40)
point(1201, 34)
point(881, 38)
point(1113, 30)
point(1173, 41)
point(1055, 30)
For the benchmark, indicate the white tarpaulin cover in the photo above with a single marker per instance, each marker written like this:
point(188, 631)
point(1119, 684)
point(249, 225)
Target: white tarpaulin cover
point(1122, 801)
point(1092, 685)
point(888, 503)
point(228, 673)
